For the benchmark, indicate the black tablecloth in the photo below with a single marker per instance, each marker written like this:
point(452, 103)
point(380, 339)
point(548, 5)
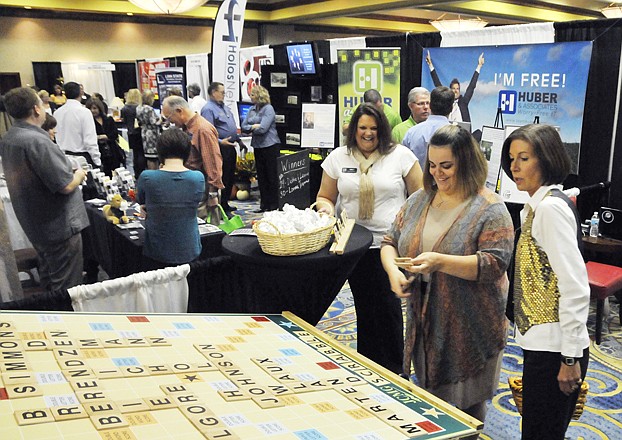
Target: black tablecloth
point(118, 254)
point(305, 285)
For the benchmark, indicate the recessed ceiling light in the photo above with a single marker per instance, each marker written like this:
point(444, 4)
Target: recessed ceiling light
point(130, 13)
point(27, 7)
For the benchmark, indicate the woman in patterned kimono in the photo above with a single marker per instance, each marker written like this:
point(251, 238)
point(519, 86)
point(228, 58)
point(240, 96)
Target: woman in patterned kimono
point(454, 239)
point(150, 128)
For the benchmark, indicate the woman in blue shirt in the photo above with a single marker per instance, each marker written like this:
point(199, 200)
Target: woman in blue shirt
point(260, 122)
point(170, 197)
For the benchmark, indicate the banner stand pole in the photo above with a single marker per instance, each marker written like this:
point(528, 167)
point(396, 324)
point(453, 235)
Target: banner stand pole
point(499, 118)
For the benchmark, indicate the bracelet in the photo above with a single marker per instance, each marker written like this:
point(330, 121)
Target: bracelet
point(212, 195)
point(329, 205)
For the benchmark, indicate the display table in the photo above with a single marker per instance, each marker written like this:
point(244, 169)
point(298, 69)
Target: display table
point(602, 249)
point(193, 377)
point(119, 254)
point(306, 284)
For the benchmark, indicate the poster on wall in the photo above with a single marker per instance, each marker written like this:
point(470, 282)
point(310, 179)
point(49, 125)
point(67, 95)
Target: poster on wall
point(362, 69)
point(318, 126)
point(171, 79)
point(147, 75)
point(251, 60)
point(525, 82)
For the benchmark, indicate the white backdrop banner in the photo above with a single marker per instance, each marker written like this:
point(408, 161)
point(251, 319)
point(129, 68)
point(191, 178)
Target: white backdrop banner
point(345, 43)
point(197, 71)
point(95, 77)
point(226, 41)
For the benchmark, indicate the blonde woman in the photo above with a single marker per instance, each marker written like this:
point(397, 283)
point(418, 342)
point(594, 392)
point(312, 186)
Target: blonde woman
point(260, 123)
point(47, 104)
point(128, 115)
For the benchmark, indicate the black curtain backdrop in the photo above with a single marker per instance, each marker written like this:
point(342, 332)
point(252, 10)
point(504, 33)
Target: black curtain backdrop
point(123, 78)
point(411, 46)
point(599, 112)
point(46, 74)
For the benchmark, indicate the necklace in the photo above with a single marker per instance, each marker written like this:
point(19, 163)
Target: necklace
point(439, 204)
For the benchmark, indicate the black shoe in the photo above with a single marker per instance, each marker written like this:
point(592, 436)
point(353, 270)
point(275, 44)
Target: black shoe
point(229, 208)
point(259, 211)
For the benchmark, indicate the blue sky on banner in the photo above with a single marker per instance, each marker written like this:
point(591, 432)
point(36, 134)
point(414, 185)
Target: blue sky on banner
point(545, 80)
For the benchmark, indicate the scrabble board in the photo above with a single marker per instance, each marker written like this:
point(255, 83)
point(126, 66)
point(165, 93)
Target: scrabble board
point(167, 376)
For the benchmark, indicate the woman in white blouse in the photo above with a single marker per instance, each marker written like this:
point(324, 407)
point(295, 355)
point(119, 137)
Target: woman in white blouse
point(551, 290)
point(370, 178)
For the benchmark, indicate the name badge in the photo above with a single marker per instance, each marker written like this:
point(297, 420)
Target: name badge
point(349, 170)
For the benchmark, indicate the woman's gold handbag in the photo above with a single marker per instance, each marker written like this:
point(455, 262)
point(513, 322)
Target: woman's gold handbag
point(516, 385)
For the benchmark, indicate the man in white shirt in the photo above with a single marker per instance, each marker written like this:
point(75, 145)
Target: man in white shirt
point(195, 99)
point(75, 131)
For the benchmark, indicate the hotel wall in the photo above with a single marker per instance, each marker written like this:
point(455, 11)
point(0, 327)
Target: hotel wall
point(24, 40)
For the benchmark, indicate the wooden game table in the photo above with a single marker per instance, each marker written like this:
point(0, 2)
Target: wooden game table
point(168, 376)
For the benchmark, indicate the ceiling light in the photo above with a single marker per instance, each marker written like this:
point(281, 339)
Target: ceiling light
point(168, 6)
point(459, 24)
point(612, 11)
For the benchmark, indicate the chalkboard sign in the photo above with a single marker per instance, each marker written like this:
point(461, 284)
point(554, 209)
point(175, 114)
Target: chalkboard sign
point(294, 187)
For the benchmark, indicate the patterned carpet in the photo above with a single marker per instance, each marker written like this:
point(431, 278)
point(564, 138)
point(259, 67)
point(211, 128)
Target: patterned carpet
point(602, 416)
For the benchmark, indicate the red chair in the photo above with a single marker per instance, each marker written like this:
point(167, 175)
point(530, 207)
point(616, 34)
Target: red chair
point(605, 280)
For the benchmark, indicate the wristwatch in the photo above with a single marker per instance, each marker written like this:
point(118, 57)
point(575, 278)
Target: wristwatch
point(570, 361)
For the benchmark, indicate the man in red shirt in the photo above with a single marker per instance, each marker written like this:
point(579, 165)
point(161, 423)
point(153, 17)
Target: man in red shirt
point(205, 153)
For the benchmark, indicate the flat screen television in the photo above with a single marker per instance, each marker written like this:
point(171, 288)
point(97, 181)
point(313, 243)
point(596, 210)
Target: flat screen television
point(302, 59)
point(243, 108)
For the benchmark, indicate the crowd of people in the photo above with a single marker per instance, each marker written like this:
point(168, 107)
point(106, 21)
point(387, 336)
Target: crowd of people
point(80, 132)
point(442, 241)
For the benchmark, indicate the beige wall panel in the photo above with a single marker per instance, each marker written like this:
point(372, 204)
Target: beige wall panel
point(23, 40)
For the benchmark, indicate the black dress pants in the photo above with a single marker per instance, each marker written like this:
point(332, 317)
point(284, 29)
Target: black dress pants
point(267, 176)
point(546, 410)
point(135, 141)
point(379, 321)
point(229, 157)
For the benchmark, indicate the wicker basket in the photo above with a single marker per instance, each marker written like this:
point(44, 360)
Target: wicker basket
point(516, 385)
point(299, 243)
